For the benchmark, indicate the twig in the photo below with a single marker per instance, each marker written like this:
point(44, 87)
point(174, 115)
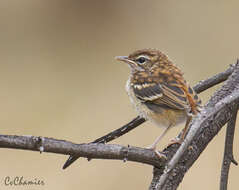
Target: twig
point(97, 151)
point(121, 131)
point(109, 137)
point(214, 80)
point(228, 151)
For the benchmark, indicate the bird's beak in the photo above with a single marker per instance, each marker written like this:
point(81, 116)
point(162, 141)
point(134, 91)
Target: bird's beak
point(122, 58)
point(125, 59)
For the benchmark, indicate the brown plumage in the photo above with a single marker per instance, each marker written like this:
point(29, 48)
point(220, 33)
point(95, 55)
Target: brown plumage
point(158, 90)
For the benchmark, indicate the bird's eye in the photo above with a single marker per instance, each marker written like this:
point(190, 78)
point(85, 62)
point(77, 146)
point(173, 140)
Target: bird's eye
point(141, 60)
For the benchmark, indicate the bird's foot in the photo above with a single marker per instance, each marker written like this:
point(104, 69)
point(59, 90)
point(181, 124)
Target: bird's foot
point(159, 154)
point(175, 141)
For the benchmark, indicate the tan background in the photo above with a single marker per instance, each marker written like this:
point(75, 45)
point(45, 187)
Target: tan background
point(58, 78)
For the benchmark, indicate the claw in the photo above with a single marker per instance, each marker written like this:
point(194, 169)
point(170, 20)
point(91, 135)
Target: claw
point(160, 155)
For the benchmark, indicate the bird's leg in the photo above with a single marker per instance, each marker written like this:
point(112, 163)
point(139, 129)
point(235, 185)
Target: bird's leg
point(180, 140)
point(189, 119)
point(154, 145)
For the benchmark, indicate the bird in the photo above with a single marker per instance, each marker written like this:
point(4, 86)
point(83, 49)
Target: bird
point(159, 92)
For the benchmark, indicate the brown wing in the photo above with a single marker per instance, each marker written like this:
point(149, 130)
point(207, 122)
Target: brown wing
point(165, 95)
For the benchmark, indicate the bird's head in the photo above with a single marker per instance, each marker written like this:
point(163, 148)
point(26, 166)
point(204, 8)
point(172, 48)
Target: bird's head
point(144, 60)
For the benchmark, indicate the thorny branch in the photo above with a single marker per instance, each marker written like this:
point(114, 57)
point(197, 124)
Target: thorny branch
point(216, 113)
point(92, 150)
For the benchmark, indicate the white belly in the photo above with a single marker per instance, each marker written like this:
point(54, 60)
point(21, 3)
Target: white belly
point(141, 109)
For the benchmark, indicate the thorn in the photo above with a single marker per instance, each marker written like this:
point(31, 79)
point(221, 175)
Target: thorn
point(41, 148)
point(40, 143)
point(126, 154)
point(234, 161)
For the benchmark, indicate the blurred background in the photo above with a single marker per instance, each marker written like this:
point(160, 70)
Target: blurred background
point(59, 78)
